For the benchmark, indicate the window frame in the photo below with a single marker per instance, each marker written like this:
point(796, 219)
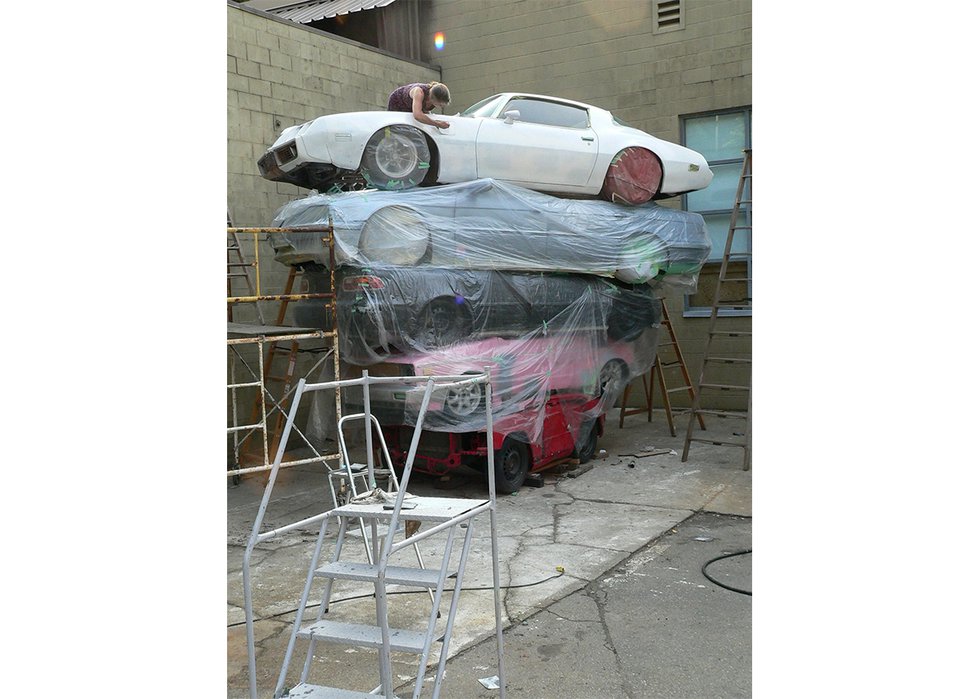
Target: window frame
point(691, 311)
point(528, 98)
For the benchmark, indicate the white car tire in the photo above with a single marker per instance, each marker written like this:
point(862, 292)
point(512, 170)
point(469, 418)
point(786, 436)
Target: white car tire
point(634, 177)
point(395, 157)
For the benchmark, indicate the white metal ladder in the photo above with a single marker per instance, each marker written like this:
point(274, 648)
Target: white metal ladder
point(442, 515)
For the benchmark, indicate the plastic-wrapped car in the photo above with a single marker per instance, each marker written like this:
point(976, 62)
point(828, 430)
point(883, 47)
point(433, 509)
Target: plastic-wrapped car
point(524, 374)
point(490, 225)
point(386, 310)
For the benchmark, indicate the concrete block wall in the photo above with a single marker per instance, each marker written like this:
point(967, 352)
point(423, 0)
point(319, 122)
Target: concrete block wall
point(280, 74)
point(609, 54)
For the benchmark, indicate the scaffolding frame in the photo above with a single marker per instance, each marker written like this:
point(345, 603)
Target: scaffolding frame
point(260, 337)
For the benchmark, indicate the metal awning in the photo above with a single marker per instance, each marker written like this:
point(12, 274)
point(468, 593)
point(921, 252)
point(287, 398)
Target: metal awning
point(305, 12)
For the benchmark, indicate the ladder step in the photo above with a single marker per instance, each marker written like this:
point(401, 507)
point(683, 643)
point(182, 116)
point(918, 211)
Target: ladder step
point(679, 388)
point(736, 279)
point(736, 414)
point(313, 691)
point(426, 509)
point(364, 635)
point(395, 575)
point(724, 387)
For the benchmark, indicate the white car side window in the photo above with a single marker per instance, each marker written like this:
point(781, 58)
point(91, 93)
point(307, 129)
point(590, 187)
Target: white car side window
point(535, 111)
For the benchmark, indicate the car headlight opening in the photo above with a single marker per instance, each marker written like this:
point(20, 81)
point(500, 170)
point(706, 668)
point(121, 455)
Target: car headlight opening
point(395, 235)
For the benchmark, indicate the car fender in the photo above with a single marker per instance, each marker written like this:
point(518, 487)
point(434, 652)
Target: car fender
point(343, 137)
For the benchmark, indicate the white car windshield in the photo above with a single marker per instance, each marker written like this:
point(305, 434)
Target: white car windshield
point(483, 108)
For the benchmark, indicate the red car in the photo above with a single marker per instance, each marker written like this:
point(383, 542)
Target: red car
point(549, 394)
point(569, 429)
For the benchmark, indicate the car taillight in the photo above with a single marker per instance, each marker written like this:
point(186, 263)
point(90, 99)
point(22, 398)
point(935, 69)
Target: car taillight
point(286, 153)
point(364, 281)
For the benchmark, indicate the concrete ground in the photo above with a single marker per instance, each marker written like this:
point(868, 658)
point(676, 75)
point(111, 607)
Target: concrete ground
point(631, 615)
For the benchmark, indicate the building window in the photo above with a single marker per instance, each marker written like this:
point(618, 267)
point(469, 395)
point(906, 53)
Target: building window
point(721, 137)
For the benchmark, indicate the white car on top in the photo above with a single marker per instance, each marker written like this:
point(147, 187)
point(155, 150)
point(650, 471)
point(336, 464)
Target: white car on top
point(542, 143)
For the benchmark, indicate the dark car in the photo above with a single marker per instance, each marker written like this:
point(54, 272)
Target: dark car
point(385, 310)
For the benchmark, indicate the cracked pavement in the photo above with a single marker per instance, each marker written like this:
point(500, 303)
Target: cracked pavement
point(580, 633)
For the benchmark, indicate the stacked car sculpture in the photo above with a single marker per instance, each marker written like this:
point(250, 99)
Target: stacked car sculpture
point(560, 298)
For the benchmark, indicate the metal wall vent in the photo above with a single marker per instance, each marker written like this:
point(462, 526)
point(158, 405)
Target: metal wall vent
point(668, 15)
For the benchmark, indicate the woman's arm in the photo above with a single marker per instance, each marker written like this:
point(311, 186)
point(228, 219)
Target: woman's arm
point(417, 96)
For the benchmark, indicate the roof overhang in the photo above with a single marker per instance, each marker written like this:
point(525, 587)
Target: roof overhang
point(313, 10)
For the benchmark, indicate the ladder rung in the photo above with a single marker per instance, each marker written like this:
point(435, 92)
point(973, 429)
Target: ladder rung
point(729, 360)
point(732, 333)
point(719, 442)
point(742, 303)
point(394, 575)
point(667, 365)
point(679, 388)
point(735, 279)
point(724, 387)
point(365, 636)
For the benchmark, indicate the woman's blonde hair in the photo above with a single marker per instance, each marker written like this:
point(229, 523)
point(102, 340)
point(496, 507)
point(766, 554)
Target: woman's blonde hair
point(438, 91)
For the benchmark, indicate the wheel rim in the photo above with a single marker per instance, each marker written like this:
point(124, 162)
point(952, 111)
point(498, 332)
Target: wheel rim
point(464, 400)
point(609, 377)
point(396, 156)
point(443, 323)
point(511, 467)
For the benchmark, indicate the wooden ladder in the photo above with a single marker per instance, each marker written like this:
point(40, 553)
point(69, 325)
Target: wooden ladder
point(711, 360)
point(267, 401)
point(240, 269)
point(657, 371)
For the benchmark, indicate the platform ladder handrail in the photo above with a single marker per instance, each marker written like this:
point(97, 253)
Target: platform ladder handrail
point(346, 469)
point(708, 357)
point(389, 546)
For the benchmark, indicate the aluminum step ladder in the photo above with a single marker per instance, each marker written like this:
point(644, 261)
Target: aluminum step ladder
point(437, 515)
point(714, 358)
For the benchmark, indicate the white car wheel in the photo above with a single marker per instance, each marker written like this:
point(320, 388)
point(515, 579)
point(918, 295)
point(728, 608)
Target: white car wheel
point(634, 177)
point(464, 401)
point(612, 379)
point(396, 157)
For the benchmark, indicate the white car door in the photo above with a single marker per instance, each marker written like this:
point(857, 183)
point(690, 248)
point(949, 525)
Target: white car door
point(550, 143)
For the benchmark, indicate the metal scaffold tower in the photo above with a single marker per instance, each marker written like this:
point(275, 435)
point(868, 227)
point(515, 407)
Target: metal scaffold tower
point(262, 357)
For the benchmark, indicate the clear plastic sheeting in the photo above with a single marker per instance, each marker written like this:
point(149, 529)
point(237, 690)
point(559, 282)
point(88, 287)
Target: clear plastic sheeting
point(568, 362)
point(387, 311)
point(634, 176)
point(489, 225)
